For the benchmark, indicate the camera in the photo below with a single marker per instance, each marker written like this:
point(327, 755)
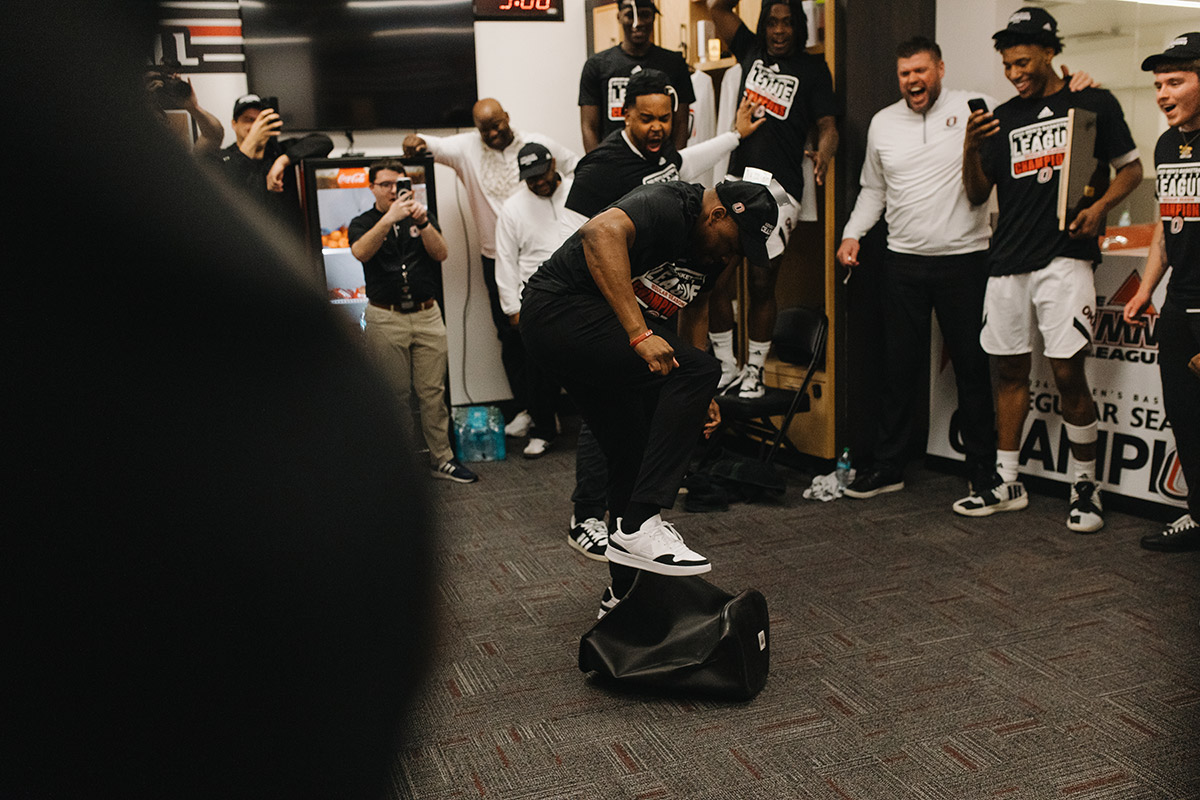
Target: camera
point(173, 92)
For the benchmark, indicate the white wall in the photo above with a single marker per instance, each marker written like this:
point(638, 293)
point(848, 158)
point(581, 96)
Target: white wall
point(1105, 38)
point(533, 69)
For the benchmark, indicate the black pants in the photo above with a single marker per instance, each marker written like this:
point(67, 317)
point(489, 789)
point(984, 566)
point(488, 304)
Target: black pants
point(512, 351)
point(1178, 334)
point(591, 478)
point(646, 423)
point(953, 287)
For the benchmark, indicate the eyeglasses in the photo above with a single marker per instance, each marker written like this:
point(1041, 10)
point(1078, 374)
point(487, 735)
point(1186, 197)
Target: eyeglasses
point(387, 186)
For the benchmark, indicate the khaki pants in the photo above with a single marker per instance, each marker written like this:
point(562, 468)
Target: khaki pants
point(411, 351)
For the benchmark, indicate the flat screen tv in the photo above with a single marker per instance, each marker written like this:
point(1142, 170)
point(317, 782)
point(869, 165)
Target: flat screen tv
point(352, 65)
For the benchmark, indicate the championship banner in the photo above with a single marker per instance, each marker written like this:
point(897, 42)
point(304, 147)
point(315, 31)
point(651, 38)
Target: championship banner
point(1135, 447)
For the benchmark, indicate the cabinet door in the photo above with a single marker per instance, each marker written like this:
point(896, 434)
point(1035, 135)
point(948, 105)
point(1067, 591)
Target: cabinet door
point(606, 29)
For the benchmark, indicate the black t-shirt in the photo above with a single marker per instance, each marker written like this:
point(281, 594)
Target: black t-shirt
point(401, 260)
point(1024, 159)
point(664, 280)
point(795, 91)
point(1177, 186)
point(616, 168)
point(602, 82)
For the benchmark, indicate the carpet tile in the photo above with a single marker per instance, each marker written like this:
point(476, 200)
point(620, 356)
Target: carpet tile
point(914, 654)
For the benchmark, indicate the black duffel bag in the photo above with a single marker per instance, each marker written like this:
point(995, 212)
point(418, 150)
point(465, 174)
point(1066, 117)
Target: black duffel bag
point(682, 634)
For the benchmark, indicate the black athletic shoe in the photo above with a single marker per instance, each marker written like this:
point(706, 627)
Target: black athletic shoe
point(589, 537)
point(1182, 534)
point(877, 480)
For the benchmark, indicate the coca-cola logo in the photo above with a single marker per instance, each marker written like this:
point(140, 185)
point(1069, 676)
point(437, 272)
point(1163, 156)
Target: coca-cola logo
point(352, 179)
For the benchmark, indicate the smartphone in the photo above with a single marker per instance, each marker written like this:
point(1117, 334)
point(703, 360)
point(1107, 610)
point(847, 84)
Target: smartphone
point(271, 102)
point(977, 104)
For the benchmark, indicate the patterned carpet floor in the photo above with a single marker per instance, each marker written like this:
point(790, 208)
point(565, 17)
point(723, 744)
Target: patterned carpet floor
point(914, 654)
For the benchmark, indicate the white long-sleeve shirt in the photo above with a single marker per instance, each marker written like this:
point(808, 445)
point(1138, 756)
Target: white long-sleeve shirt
point(490, 176)
point(913, 169)
point(528, 230)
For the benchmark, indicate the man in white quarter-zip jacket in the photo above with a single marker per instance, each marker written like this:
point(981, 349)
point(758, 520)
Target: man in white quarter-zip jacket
point(936, 260)
point(528, 230)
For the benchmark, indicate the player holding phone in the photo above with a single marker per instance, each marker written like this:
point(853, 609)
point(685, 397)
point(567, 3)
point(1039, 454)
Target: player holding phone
point(936, 260)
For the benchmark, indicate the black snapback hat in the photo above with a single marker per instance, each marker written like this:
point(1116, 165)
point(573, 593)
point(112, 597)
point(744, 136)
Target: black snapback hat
point(755, 211)
point(1030, 21)
point(247, 101)
point(532, 161)
point(1182, 48)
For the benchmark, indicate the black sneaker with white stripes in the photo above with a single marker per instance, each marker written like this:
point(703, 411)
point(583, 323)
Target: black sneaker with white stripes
point(589, 537)
point(991, 497)
point(607, 602)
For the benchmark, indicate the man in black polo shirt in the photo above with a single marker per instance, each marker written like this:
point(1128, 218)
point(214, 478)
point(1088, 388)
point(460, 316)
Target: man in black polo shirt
point(602, 83)
point(611, 314)
point(795, 92)
point(1039, 275)
point(1176, 244)
point(401, 247)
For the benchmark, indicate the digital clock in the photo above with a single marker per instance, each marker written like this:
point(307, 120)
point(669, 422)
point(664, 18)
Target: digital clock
point(545, 10)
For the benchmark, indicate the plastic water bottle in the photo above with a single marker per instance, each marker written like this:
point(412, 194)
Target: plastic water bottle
point(480, 433)
point(496, 433)
point(843, 468)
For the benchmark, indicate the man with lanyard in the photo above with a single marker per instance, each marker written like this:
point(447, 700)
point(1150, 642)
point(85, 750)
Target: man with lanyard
point(486, 163)
point(936, 260)
point(611, 314)
point(400, 247)
point(527, 233)
point(602, 82)
point(1041, 275)
point(1176, 244)
point(641, 153)
point(795, 92)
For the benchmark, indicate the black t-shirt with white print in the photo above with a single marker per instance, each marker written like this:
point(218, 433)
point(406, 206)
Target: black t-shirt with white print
point(616, 168)
point(1177, 185)
point(664, 279)
point(602, 82)
point(795, 91)
point(1024, 159)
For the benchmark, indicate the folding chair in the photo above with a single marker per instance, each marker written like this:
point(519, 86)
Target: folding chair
point(800, 340)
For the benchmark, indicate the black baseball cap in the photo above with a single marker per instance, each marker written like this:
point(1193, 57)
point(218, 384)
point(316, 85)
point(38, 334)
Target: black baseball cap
point(755, 212)
point(532, 160)
point(638, 4)
point(1182, 48)
point(1030, 21)
point(247, 101)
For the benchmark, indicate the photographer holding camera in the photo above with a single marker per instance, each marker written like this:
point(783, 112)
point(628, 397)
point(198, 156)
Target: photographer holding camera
point(171, 92)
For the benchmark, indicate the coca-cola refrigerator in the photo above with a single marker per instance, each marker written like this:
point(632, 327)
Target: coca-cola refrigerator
point(335, 191)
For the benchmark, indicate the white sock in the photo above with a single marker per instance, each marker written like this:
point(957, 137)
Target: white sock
point(1081, 434)
point(722, 345)
point(756, 352)
point(1007, 464)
